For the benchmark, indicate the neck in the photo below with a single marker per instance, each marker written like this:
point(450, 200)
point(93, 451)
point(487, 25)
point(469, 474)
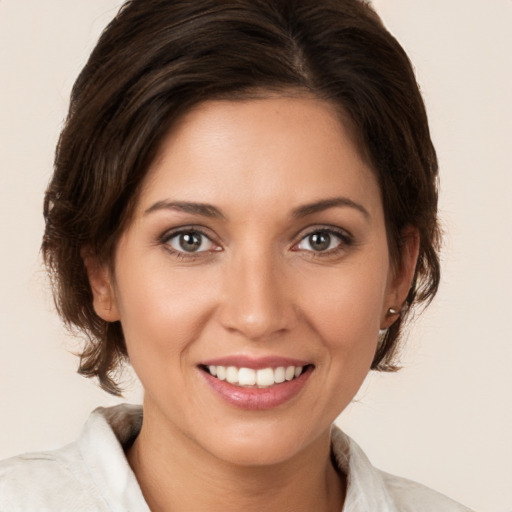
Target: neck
point(176, 474)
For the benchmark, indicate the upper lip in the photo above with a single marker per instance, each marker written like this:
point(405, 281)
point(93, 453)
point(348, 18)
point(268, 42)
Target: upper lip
point(256, 363)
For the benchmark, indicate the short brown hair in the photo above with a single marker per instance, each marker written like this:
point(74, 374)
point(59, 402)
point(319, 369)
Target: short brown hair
point(157, 59)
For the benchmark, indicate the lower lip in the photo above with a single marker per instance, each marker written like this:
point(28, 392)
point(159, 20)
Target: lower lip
point(258, 398)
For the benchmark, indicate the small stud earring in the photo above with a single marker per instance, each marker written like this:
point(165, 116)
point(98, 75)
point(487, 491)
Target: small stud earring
point(392, 311)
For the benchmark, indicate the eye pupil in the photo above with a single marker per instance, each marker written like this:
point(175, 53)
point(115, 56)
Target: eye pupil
point(190, 242)
point(320, 241)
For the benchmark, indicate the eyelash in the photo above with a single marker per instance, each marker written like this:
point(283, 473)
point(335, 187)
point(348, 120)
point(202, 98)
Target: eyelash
point(346, 240)
point(166, 238)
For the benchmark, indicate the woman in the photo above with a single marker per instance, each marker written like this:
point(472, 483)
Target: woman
point(244, 207)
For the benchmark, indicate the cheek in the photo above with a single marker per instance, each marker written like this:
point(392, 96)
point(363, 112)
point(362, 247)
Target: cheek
point(161, 314)
point(345, 309)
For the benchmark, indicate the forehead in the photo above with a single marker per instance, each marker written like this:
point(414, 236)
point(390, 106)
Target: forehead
point(275, 150)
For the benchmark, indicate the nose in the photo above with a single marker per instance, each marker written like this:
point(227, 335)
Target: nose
point(257, 300)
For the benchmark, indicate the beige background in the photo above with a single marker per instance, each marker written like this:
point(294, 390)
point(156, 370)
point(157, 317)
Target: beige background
point(446, 419)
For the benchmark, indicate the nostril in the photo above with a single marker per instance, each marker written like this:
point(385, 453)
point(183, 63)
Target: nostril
point(257, 321)
point(255, 301)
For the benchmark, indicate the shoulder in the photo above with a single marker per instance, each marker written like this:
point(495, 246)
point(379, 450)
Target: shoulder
point(46, 481)
point(90, 474)
point(371, 489)
point(409, 496)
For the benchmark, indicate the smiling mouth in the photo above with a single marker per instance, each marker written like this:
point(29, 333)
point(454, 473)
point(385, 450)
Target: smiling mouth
point(251, 378)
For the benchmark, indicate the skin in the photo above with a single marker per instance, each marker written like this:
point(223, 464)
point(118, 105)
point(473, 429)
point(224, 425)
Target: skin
point(257, 287)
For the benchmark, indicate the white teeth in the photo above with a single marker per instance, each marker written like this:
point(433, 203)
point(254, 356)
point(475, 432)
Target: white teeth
point(279, 375)
point(261, 378)
point(265, 377)
point(232, 374)
point(246, 377)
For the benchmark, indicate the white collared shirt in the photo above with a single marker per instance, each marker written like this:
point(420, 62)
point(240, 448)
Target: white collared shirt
point(93, 474)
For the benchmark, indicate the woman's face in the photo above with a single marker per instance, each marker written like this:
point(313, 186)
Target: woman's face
point(257, 252)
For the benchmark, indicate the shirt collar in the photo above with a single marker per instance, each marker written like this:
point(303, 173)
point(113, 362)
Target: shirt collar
point(109, 431)
point(366, 489)
point(101, 445)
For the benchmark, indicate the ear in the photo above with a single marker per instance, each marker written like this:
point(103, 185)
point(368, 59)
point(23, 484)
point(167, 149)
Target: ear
point(100, 281)
point(401, 276)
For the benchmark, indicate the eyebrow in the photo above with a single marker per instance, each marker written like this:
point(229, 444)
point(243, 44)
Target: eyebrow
point(206, 210)
point(325, 204)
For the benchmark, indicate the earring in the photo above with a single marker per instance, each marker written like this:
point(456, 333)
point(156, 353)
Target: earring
point(382, 336)
point(392, 311)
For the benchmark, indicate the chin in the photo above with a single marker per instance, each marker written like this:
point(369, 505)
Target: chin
point(250, 454)
point(259, 445)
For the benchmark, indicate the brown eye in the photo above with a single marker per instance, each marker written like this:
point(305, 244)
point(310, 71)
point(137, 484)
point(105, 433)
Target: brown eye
point(321, 241)
point(190, 242)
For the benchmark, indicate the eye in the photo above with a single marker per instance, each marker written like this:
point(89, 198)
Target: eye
point(322, 241)
point(190, 242)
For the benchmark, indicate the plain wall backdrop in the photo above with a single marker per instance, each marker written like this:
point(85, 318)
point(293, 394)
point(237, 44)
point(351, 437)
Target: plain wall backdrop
point(446, 418)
